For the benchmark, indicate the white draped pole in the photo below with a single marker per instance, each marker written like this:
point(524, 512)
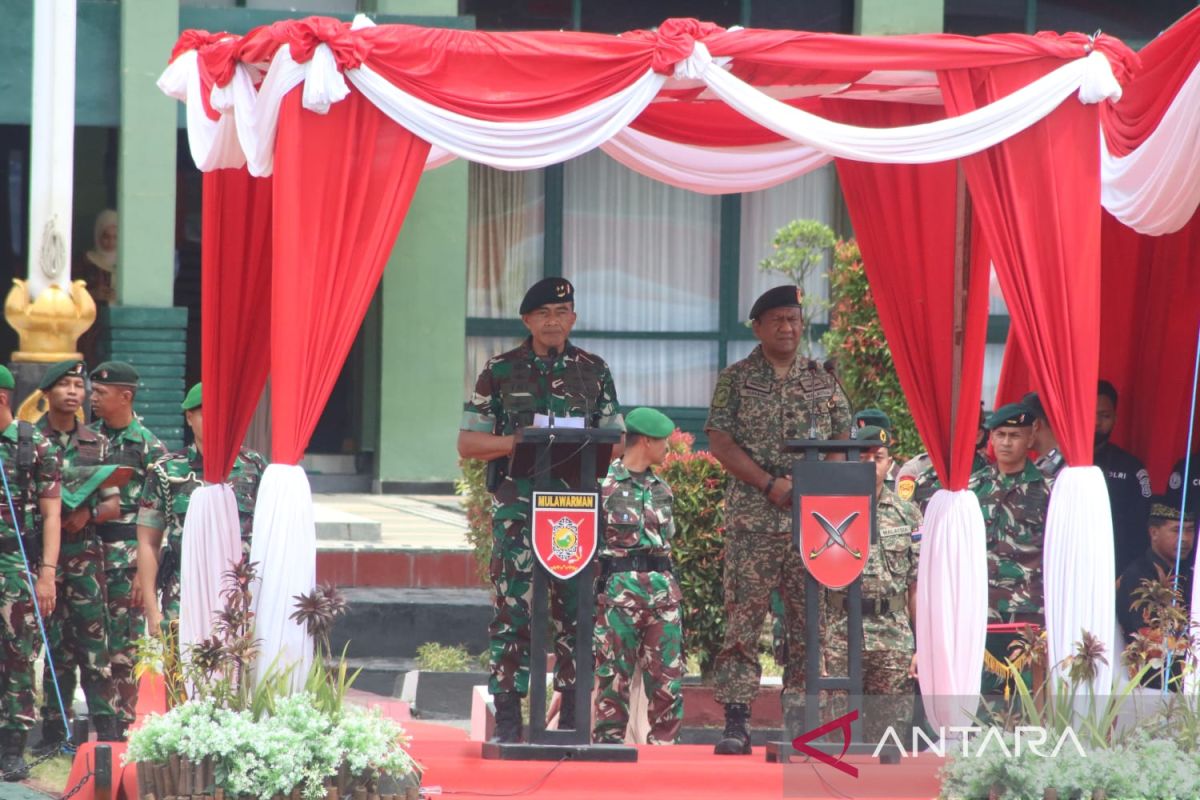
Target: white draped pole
point(210, 546)
point(1078, 567)
point(952, 602)
point(284, 546)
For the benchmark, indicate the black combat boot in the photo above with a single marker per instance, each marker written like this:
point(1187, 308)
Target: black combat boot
point(508, 718)
point(12, 756)
point(735, 741)
point(53, 736)
point(108, 729)
point(566, 709)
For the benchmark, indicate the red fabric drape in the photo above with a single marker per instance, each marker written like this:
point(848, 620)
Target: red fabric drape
point(904, 221)
point(1037, 196)
point(234, 310)
point(343, 184)
point(1151, 310)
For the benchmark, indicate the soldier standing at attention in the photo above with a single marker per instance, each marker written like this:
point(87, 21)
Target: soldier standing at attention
point(32, 472)
point(76, 632)
point(889, 599)
point(545, 375)
point(114, 385)
point(766, 398)
point(639, 621)
point(170, 482)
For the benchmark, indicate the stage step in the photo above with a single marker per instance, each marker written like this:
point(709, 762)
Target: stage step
point(381, 676)
point(393, 623)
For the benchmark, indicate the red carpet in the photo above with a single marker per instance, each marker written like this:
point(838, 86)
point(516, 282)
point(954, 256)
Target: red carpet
point(688, 772)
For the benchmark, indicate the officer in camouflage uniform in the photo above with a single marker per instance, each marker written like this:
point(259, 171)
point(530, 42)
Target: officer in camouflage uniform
point(545, 374)
point(131, 444)
point(889, 593)
point(638, 622)
point(917, 480)
point(1014, 496)
point(766, 398)
point(76, 631)
point(164, 504)
point(37, 478)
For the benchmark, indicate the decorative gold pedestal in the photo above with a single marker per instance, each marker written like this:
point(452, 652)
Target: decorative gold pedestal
point(50, 325)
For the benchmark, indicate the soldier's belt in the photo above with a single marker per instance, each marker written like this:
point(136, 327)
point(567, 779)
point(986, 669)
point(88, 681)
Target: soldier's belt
point(113, 532)
point(871, 605)
point(637, 562)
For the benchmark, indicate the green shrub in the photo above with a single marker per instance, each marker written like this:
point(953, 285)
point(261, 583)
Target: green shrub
point(476, 501)
point(436, 657)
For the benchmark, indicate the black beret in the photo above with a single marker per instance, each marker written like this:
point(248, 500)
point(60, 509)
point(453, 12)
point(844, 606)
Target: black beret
point(547, 291)
point(1013, 415)
point(115, 372)
point(790, 296)
point(56, 372)
point(1032, 402)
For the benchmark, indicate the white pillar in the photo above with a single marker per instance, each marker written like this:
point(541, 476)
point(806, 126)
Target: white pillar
point(52, 145)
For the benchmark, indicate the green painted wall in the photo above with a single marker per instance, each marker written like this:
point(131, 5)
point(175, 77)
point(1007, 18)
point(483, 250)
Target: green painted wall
point(423, 331)
point(884, 17)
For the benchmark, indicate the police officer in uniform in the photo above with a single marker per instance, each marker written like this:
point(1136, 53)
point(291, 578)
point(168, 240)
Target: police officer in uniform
point(1128, 483)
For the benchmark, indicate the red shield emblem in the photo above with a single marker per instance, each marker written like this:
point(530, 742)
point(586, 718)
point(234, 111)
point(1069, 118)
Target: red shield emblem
point(835, 537)
point(564, 531)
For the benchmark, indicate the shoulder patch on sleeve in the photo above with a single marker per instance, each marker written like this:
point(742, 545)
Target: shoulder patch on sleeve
point(720, 398)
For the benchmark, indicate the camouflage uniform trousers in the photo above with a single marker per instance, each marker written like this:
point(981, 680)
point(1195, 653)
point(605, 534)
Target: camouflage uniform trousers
point(511, 570)
point(19, 630)
point(626, 638)
point(755, 564)
point(887, 699)
point(126, 624)
point(77, 634)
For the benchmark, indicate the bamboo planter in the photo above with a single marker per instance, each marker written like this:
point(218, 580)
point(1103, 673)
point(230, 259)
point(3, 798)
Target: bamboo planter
point(180, 779)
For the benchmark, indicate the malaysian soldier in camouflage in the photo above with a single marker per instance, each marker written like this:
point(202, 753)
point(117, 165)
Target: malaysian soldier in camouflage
point(768, 397)
point(545, 375)
point(889, 593)
point(917, 480)
point(1014, 496)
point(114, 384)
point(31, 478)
point(76, 632)
point(639, 622)
point(164, 504)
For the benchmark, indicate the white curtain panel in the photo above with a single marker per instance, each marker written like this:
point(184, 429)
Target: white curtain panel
point(213, 143)
point(952, 602)
point(210, 546)
point(1155, 189)
point(284, 546)
point(1078, 567)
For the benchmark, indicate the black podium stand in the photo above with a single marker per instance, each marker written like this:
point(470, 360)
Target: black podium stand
point(579, 457)
point(811, 476)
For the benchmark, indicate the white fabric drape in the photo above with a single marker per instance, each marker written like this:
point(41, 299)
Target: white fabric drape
point(213, 144)
point(210, 546)
point(1078, 567)
point(1155, 189)
point(285, 547)
point(952, 603)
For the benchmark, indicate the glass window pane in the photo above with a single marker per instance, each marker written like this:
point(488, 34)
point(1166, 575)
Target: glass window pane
point(993, 360)
point(504, 239)
point(833, 16)
point(658, 373)
point(972, 18)
point(618, 16)
point(644, 256)
point(763, 213)
point(518, 15)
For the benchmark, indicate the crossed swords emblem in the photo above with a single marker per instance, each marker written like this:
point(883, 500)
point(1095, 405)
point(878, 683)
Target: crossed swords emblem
point(836, 533)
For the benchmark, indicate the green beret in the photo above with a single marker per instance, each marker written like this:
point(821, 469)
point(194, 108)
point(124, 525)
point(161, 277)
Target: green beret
point(62, 369)
point(649, 422)
point(192, 400)
point(872, 416)
point(1165, 508)
point(547, 291)
point(1013, 415)
point(873, 436)
point(790, 296)
point(1032, 402)
point(116, 373)
point(6, 378)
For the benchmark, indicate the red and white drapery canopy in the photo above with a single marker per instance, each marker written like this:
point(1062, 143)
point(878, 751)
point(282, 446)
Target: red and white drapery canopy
point(344, 117)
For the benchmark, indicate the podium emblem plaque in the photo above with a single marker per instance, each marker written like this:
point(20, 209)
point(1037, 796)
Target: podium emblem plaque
point(564, 530)
point(835, 537)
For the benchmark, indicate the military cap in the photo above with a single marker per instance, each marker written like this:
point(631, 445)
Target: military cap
point(1033, 403)
point(873, 436)
point(547, 291)
point(1165, 507)
point(790, 296)
point(6, 378)
point(192, 399)
point(56, 372)
point(872, 416)
point(649, 422)
point(1013, 415)
point(115, 372)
